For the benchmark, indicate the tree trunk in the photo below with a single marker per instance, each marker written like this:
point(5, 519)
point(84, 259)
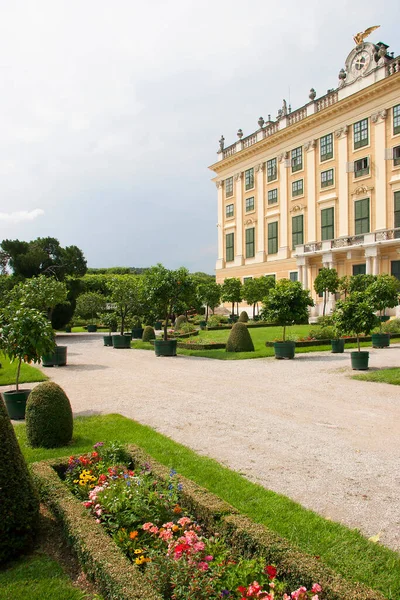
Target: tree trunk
point(323, 312)
point(284, 333)
point(358, 343)
point(233, 308)
point(17, 376)
point(206, 313)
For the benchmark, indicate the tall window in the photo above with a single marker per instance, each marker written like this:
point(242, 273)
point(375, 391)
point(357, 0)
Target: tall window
point(361, 212)
point(229, 246)
point(297, 188)
point(229, 210)
point(327, 224)
point(229, 187)
point(361, 167)
point(273, 196)
point(249, 179)
point(297, 231)
point(327, 178)
point(360, 133)
point(396, 156)
point(273, 237)
point(249, 204)
point(326, 147)
point(396, 119)
point(397, 209)
point(395, 268)
point(360, 269)
point(250, 242)
point(297, 159)
point(272, 171)
point(293, 276)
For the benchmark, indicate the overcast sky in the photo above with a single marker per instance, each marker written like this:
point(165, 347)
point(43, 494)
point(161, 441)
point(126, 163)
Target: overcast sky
point(111, 112)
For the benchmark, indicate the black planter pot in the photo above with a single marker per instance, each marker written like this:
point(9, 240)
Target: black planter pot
point(57, 359)
point(91, 328)
point(380, 340)
point(284, 349)
point(68, 330)
point(157, 325)
point(137, 332)
point(359, 361)
point(337, 346)
point(16, 403)
point(107, 339)
point(121, 341)
point(165, 347)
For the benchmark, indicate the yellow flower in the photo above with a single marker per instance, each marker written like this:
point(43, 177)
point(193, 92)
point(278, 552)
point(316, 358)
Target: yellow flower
point(81, 483)
point(76, 481)
point(138, 551)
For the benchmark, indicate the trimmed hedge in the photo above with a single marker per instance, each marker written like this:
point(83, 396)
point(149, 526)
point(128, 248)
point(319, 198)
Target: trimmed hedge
point(350, 340)
point(205, 346)
point(119, 579)
point(239, 339)
point(243, 317)
point(19, 504)
point(49, 420)
point(148, 334)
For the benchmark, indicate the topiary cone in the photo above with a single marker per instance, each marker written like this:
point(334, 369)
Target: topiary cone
point(49, 421)
point(148, 334)
point(244, 317)
point(19, 504)
point(239, 339)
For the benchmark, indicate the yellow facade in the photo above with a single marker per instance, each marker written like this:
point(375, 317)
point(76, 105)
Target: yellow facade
point(345, 149)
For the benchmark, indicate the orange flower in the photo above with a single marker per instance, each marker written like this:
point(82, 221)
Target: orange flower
point(177, 509)
point(133, 535)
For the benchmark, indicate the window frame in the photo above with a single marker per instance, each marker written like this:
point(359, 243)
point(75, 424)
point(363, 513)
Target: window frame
point(229, 216)
point(297, 232)
point(272, 169)
point(249, 208)
point(358, 221)
point(363, 270)
point(250, 243)
point(271, 200)
point(328, 155)
point(272, 236)
point(229, 194)
point(328, 182)
point(296, 157)
point(249, 179)
point(364, 171)
point(231, 248)
point(396, 209)
point(396, 119)
point(293, 273)
point(329, 227)
point(396, 159)
point(363, 140)
point(298, 193)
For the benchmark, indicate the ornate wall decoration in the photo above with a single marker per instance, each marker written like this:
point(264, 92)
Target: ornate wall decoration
point(381, 115)
point(362, 189)
point(219, 184)
point(342, 131)
point(260, 167)
point(250, 221)
point(238, 176)
point(297, 208)
point(283, 156)
point(310, 145)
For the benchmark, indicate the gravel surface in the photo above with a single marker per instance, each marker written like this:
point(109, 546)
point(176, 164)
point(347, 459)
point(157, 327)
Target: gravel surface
point(302, 428)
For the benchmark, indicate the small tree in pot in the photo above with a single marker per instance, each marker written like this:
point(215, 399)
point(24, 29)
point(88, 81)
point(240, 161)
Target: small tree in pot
point(209, 294)
point(327, 281)
point(383, 293)
point(286, 304)
point(355, 316)
point(89, 306)
point(26, 335)
point(163, 290)
point(232, 292)
point(127, 296)
point(109, 320)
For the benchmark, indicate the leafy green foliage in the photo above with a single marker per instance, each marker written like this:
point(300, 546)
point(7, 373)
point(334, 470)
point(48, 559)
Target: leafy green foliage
point(136, 322)
point(209, 293)
point(392, 326)
point(359, 283)
point(127, 295)
point(355, 315)
point(384, 292)
point(148, 334)
point(239, 339)
point(256, 289)
point(89, 306)
point(243, 317)
point(287, 304)
point(327, 281)
point(42, 293)
point(231, 291)
point(19, 506)
point(49, 422)
point(26, 335)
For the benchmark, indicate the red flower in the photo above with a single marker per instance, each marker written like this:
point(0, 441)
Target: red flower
point(271, 571)
point(242, 589)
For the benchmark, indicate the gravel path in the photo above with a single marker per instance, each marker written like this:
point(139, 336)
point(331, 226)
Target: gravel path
point(302, 427)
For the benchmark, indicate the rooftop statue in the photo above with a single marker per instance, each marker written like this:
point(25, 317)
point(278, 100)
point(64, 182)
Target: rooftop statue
point(360, 37)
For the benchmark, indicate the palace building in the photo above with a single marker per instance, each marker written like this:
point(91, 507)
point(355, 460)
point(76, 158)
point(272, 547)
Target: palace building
point(318, 186)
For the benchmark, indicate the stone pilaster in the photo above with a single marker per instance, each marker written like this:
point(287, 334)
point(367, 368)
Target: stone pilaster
point(341, 135)
point(238, 262)
point(379, 119)
point(260, 186)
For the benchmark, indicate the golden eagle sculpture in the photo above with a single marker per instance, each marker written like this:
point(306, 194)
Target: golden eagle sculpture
point(360, 37)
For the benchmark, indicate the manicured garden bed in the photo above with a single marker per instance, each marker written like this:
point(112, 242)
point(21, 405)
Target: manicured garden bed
point(348, 340)
point(391, 376)
point(118, 578)
point(8, 370)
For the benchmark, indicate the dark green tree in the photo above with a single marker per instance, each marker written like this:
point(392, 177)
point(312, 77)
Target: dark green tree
point(359, 283)
point(327, 281)
point(384, 293)
point(209, 293)
point(355, 315)
point(287, 304)
point(231, 291)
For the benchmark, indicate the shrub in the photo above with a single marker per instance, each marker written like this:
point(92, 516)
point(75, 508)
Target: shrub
point(323, 333)
point(243, 317)
point(19, 506)
point(136, 322)
point(186, 328)
point(239, 339)
point(392, 326)
point(216, 320)
point(49, 422)
point(179, 322)
point(325, 321)
point(148, 334)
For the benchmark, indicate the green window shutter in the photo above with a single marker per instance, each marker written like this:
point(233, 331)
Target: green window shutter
point(250, 242)
point(297, 231)
point(327, 224)
point(360, 269)
point(361, 212)
point(229, 247)
point(397, 209)
point(395, 268)
point(273, 237)
point(360, 134)
point(396, 119)
point(326, 147)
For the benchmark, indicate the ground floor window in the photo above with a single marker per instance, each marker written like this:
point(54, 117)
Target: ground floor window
point(293, 276)
point(395, 268)
point(360, 269)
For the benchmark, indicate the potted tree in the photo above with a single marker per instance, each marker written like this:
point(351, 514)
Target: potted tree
point(384, 293)
point(137, 329)
point(127, 296)
point(163, 290)
point(89, 306)
point(26, 335)
point(355, 316)
point(286, 304)
point(327, 281)
point(231, 291)
point(109, 320)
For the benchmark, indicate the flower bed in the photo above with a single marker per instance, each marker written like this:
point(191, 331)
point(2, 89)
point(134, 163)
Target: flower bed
point(350, 340)
point(148, 514)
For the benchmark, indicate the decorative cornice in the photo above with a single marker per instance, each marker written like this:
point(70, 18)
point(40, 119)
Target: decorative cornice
point(238, 176)
point(379, 116)
point(310, 145)
point(219, 184)
point(283, 156)
point(260, 167)
point(297, 208)
point(283, 136)
point(250, 221)
point(362, 189)
point(342, 131)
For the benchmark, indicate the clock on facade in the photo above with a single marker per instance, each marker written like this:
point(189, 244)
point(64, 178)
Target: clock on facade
point(360, 63)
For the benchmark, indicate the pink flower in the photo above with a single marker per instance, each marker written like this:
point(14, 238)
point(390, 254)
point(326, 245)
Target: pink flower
point(168, 525)
point(147, 526)
point(316, 588)
point(98, 521)
point(184, 521)
point(87, 504)
point(153, 529)
point(316, 597)
point(203, 566)
point(209, 558)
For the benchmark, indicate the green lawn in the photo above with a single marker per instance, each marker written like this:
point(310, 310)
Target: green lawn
point(343, 549)
point(82, 329)
point(391, 376)
point(28, 373)
point(259, 336)
point(37, 577)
